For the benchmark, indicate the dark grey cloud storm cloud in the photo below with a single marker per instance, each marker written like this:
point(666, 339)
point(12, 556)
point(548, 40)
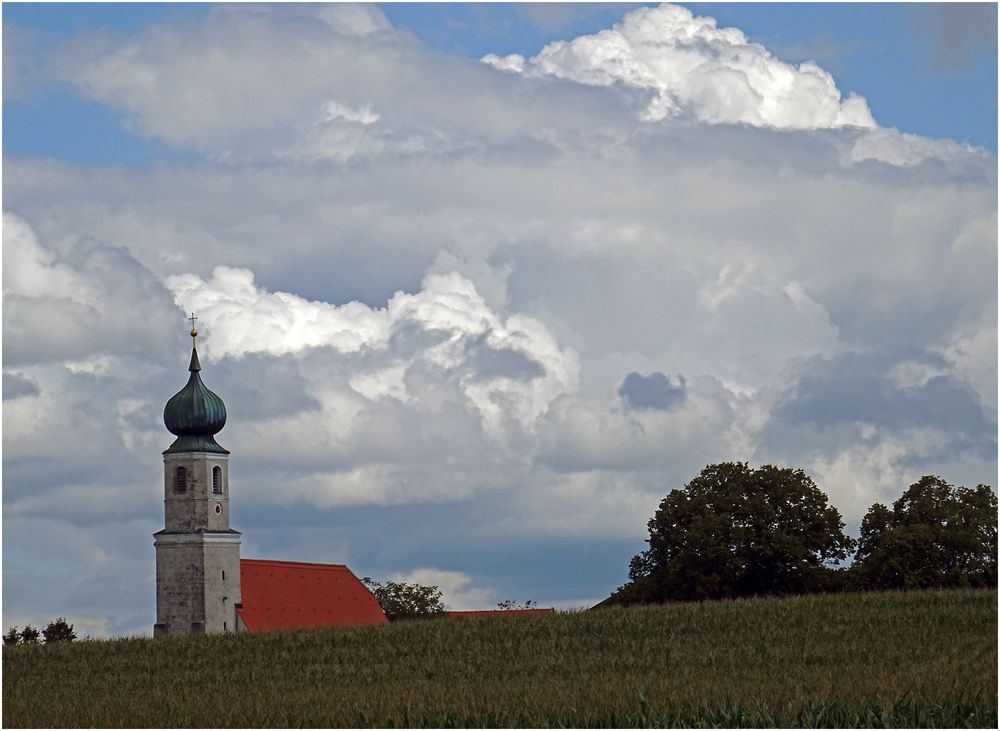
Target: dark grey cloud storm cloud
point(654, 391)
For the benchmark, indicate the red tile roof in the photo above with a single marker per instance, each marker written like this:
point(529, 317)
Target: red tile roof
point(492, 613)
point(284, 595)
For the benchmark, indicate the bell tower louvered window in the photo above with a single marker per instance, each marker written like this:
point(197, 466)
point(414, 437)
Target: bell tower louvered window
point(180, 480)
point(217, 480)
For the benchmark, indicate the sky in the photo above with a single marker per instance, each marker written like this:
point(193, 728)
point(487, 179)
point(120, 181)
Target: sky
point(480, 284)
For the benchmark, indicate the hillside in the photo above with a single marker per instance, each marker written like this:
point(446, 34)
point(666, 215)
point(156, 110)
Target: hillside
point(901, 659)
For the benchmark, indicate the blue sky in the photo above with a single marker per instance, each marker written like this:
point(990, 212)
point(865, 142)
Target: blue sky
point(915, 75)
point(476, 300)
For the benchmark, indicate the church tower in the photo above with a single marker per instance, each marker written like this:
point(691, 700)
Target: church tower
point(197, 553)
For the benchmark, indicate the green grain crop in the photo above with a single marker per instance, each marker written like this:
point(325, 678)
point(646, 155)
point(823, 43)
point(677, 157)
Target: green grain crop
point(917, 659)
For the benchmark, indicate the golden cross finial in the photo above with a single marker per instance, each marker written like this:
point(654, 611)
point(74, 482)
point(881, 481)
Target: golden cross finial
point(194, 332)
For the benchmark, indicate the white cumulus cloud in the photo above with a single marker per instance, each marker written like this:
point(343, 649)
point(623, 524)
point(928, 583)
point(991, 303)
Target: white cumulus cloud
point(902, 149)
point(508, 367)
point(689, 66)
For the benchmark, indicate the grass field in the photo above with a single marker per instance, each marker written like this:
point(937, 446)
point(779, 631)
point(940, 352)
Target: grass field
point(897, 659)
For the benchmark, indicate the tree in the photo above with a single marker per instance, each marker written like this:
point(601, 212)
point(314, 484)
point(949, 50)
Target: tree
point(59, 631)
point(735, 531)
point(510, 604)
point(29, 635)
point(935, 535)
point(12, 637)
point(405, 601)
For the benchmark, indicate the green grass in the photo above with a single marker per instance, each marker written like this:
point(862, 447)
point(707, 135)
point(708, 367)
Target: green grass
point(914, 659)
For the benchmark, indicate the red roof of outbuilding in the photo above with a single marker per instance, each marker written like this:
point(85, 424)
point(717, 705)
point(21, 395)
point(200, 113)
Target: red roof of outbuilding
point(291, 595)
point(491, 613)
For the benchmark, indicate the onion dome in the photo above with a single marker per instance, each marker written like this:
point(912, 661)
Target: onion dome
point(195, 414)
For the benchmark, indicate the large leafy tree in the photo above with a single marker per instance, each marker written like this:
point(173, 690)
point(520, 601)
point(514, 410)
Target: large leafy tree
point(935, 535)
point(734, 531)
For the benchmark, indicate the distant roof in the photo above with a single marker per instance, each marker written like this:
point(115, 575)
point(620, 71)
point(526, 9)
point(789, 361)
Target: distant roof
point(491, 613)
point(285, 595)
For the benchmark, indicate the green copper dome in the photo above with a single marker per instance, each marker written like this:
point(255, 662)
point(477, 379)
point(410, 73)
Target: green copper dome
point(195, 415)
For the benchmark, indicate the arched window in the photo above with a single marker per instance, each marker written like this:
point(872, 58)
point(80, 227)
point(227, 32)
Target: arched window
point(217, 480)
point(180, 480)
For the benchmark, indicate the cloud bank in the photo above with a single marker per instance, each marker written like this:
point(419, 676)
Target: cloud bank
point(506, 367)
point(475, 319)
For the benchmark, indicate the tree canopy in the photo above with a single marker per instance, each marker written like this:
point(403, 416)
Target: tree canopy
point(59, 630)
point(511, 604)
point(935, 535)
point(735, 531)
point(400, 600)
point(29, 635)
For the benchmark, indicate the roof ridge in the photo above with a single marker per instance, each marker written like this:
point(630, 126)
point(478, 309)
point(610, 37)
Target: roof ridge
point(279, 562)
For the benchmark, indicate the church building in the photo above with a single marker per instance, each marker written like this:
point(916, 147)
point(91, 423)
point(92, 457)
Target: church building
point(202, 584)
